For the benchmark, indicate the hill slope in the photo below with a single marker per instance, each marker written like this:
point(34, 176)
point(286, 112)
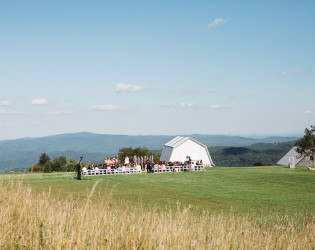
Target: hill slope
point(264, 153)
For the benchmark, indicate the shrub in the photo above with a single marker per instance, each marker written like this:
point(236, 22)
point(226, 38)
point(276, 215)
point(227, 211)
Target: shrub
point(70, 166)
point(47, 168)
point(36, 168)
point(258, 163)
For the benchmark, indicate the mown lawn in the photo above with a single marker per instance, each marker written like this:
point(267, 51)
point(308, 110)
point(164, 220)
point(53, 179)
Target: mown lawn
point(252, 191)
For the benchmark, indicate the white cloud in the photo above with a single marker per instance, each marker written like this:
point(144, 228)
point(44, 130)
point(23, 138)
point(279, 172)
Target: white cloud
point(215, 106)
point(192, 105)
point(122, 87)
point(181, 105)
point(61, 112)
point(190, 91)
point(107, 107)
point(5, 103)
point(186, 105)
point(308, 112)
point(286, 72)
point(39, 101)
point(217, 22)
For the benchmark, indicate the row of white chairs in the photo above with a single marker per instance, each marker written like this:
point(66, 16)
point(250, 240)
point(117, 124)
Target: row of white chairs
point(137, 169)
point(180, 168)
point(120, 170)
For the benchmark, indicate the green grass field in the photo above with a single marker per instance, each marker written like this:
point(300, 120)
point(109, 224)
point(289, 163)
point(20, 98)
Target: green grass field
point(256, 192)
point(221, 208)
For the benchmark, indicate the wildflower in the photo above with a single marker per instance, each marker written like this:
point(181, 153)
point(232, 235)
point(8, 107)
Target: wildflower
point(64, 243)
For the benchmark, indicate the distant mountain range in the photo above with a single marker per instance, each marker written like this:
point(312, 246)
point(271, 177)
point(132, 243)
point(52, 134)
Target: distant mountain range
point(22, 153)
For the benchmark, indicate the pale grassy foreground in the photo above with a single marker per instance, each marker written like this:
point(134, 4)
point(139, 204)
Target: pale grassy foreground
point(32, 221)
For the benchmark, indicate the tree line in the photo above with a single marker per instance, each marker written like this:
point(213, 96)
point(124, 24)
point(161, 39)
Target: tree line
point(139, 151)
point(255, 155)
point(58, 164)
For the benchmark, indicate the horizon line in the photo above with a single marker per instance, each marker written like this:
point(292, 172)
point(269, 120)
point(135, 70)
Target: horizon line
point(251, 135)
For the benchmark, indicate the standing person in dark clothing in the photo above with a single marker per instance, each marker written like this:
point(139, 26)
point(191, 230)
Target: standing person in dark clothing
point(142, 163)
point(149, 167)
point(79, 169)
point(131, 160)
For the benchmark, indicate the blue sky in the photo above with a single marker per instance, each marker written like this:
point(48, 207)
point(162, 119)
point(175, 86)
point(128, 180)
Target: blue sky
point(156, 67)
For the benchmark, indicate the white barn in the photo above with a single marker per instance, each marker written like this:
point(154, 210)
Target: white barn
point(299, 160)
point(180, 147)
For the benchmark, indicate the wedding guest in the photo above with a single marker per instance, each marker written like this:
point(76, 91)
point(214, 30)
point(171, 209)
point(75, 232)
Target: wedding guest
point(127, 160)
point(142, 162)
point(135, 160)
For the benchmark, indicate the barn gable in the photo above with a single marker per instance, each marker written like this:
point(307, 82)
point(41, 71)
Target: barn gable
point(299, 160)
point(180, 147)
point(285, 159)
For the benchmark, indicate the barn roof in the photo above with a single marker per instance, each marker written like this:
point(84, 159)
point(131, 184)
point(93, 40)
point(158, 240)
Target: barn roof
point(292, 153)
point(179, 140)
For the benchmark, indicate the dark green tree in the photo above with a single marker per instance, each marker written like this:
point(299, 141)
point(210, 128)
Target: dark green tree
point(305, 145)
point(58, 163)
point(47, 167)
point(70, 166)
point(123, 152)
point(139, 151)
point(43, 159)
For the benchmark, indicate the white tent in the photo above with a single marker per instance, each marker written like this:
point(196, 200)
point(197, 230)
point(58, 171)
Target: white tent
point(180, 147)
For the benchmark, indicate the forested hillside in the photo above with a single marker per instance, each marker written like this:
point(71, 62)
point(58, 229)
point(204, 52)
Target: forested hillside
point(260, 153)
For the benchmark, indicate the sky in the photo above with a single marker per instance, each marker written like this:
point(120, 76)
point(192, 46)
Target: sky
point(156, 67)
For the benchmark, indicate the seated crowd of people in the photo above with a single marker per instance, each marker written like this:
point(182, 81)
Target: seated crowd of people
point(173, 166)
point(129, 164)
point(142, 164)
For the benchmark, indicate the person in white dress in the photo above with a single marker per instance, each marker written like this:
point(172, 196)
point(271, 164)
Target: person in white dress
point(127, 160)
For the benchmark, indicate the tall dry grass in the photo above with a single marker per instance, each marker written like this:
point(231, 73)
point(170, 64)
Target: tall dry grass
point(43, 221)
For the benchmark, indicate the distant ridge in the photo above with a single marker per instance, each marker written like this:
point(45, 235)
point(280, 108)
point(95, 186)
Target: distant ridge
point(22, 153)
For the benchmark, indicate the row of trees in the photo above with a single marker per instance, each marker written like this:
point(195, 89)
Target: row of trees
point(139, 151)
point(58, 164)
point(254, 155)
